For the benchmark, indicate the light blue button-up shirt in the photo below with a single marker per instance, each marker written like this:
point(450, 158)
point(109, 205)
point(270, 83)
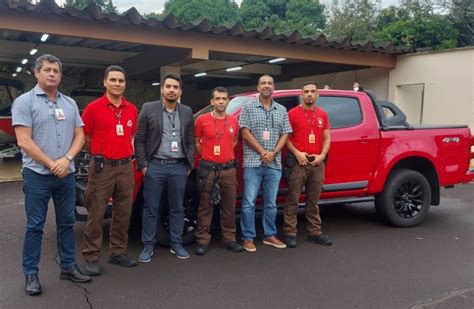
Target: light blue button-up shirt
point(54, 137)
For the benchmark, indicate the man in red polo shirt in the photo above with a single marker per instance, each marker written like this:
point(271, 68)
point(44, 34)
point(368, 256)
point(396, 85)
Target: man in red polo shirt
point(308, 145)
point(110, 124)
point(216, 135)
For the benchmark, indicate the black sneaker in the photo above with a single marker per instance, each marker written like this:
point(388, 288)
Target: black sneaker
point(320, 239)
point(234, 247)
point(291, 241)
point(201, 249)
point(93, 268)
point(122, 260)
point(32, 285)
point(74, 274)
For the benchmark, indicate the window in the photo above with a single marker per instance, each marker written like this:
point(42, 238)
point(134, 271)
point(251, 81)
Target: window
point(342, 111)
point(288, 102)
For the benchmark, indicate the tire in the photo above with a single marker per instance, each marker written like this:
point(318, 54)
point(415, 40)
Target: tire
point(405, 199)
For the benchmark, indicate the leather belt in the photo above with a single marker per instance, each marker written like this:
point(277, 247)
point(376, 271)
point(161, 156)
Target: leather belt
point(169, 161)
point(115, 162)
point(217, 166)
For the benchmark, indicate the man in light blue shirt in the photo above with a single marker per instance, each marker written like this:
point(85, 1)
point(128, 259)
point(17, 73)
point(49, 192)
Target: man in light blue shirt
point(49, 132)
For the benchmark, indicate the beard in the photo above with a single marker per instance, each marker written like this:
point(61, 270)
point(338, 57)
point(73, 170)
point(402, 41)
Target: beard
point(172, 99)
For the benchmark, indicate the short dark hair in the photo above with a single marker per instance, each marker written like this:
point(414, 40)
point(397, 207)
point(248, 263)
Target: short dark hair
point(309, 83)
point(265, 75)
point(47, 57)
point(218, 89)
point(113, 68)
point(176, 77)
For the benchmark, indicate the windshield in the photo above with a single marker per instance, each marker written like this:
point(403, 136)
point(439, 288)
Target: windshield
point(234, 105)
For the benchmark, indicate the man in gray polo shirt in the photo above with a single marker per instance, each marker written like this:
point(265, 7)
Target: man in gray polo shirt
point(48, 128)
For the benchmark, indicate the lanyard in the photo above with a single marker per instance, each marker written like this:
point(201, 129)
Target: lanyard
point(118, 114)
point(173, 124)
point(218, 136)
point(267, 115)
point(311, 123)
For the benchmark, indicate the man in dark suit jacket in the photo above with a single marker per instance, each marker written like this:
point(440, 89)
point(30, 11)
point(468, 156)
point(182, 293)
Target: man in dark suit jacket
point(164, 148)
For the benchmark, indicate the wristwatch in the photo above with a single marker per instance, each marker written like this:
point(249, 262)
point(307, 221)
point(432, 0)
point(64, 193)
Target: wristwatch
point(69, 157)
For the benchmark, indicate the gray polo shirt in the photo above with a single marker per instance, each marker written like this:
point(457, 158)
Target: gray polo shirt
point(54, 137)
point(170, 120)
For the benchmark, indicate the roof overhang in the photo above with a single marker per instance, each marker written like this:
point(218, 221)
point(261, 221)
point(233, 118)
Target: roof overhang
point(90, 39)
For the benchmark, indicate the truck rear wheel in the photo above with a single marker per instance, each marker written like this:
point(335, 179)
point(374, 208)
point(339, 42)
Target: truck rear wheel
point(405, 199)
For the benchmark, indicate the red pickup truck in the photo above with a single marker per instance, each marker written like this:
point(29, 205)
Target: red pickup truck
point(375, 156)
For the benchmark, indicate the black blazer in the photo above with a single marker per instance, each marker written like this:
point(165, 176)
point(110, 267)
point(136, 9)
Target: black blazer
point(150, 128)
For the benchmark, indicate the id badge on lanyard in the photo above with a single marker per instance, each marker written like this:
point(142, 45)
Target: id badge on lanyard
point(59, 114)
point(312, 138)
point(266, 135)
point(119, 130)
point(174, 146)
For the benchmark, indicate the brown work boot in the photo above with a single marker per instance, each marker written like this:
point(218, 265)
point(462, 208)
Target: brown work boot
point(249, 246)
point(274, 242)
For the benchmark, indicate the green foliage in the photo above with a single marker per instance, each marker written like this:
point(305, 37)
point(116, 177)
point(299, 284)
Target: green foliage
point(461, 14)
point(354, 18)
point(218, 12)
point(416, 23)
point(106, 6)
point(437, 24)
point(306, 16)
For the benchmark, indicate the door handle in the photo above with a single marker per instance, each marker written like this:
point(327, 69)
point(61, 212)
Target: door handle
point(364, 139)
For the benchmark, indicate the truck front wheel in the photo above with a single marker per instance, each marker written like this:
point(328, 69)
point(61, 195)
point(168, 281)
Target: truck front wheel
point(405, 199)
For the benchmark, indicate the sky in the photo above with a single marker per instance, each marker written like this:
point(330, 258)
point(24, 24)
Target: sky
point(147, 6)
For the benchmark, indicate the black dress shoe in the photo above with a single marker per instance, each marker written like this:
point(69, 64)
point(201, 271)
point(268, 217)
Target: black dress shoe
point(122, 260)
point(201, 249)
point(234, 247)
point(93, 268)
point(320, 239)
point(291, 242)
point(74, 274)
point(32, 285)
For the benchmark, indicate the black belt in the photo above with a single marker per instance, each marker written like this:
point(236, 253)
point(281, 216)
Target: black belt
point(169, 161)
point(217, 166)
point(114, 162)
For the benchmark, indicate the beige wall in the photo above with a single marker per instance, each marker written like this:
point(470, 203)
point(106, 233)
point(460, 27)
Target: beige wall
point(447, 79)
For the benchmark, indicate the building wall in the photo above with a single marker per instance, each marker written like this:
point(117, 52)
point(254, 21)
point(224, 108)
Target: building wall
point(437, 87)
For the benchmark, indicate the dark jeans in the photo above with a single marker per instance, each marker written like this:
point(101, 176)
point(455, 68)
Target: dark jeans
point(38, 191)
point(159, 176)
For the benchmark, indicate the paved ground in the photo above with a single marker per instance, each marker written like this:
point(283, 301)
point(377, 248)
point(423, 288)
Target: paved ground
point(10, 169)
point(370, 266)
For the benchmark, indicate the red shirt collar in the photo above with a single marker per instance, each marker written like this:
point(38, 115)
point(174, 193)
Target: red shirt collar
point(105, 101)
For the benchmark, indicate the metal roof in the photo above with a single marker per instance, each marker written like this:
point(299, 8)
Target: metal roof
point(170, 22)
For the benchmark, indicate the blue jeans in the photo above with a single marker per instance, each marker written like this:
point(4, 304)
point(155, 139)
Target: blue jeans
point(39, 189)
point(253, 179)
point(174, 177)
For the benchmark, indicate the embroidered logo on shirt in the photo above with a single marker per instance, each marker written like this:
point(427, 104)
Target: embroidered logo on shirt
point(129, 124)
point(320, 122)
